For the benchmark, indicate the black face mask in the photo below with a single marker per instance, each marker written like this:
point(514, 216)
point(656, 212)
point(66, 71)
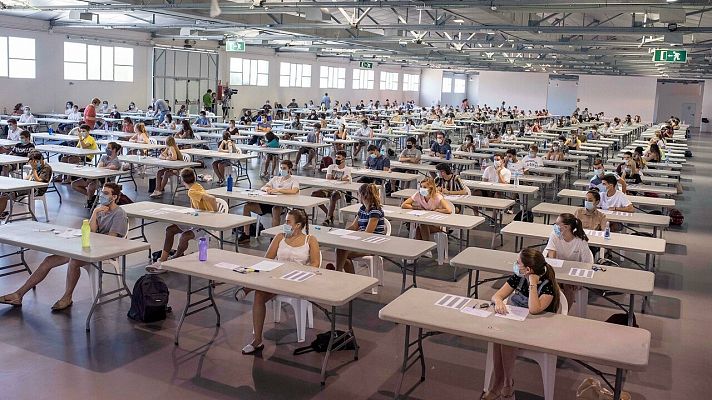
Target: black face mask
point(409, 146)
point(339, 162)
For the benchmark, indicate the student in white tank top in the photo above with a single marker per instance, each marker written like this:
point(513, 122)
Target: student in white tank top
point(294, 245)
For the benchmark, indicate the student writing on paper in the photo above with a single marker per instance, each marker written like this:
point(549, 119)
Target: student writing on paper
point(293, 245)
point(427, 198)
point(569, 242)
point(370, 219)
point(532, 286)
point(107, 219)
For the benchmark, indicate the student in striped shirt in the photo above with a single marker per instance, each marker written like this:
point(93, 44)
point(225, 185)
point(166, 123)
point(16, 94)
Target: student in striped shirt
point(370, 219)
point(447, 182)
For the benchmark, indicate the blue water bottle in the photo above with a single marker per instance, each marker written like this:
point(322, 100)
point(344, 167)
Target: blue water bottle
point(229, 183)
point(607, 232)
point(50, 131)
point(203, 249)
point(448, 155)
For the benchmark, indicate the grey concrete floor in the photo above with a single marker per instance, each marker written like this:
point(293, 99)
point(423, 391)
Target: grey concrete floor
point(45, 355)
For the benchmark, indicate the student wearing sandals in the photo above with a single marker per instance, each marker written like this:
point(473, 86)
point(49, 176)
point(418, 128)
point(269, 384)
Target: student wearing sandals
point(532, 286)
point(171, 153)
point(370, 219)
point(226, 145)
point(340, 172)
point(293, 245)
point(427, 198)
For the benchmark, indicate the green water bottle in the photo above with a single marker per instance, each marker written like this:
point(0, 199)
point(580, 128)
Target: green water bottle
point(86, 230)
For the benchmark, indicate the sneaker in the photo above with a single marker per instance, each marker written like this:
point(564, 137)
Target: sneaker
point(155, 194)
point(155, 268)
point(243, 239)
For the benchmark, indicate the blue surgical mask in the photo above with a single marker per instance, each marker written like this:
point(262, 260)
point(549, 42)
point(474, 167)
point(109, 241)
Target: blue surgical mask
point(557, 231)
point(287, 229)
point(104, 200)
point(424, 191)
point(372, 155)
point(283, 172)
point(589, 205)
point(108, 151)
point(515, 269)
point(598, 172)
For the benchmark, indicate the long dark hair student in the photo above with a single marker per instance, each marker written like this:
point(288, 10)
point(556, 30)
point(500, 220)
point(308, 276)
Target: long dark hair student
point(575, 225)
point(535, 260)
point(369, 196)
point(301, 218)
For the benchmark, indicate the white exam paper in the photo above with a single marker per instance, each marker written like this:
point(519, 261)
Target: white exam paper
point(418, 212)
point(340, 232)
point(266, 265)
point(554, 262)
point(515, 313)
point(476, 311)
point(226, 265)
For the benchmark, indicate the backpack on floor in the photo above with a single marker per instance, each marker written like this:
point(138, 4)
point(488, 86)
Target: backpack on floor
point(325, 162)
point(321, 342)
point(527, 216)
point(621, 319)
point(676, 217)
point(149, 299)
point(688, 153)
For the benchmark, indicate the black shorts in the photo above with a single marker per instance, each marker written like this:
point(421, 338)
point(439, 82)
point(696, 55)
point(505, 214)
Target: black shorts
point(265, 208)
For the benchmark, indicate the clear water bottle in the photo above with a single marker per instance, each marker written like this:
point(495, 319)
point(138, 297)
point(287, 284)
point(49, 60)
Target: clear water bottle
point(203, 249)
point(607, 232)
point(230, 182)
point(516, 178)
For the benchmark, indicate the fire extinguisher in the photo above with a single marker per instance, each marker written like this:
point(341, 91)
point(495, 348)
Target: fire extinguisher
point(220, 90)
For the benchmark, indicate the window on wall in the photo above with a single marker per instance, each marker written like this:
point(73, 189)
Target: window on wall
point(411, 83)
point(246, 72)
point(363, 78)
point(459, 86)
point(447, 85)
point(17, 57)
point(294, 75)
point(97, 63)
point(332, 77)
point(389, 81)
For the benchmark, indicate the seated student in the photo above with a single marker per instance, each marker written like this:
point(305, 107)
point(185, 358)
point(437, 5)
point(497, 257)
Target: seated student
point(515, 165)
point(294, 245)
point(86, 141)
point(110, 160)
point(410, 154)
point(226, 145)
point(314, 136)
point(13, 132)
point(338, 171)
point(569, 242)
point(27, 117)
point(107, 219)
point(140, 134)
point(284, 183)
point(532, 286)
point(40, 172)
point(498, 172)
point(199, 200)
point(628, 170)
point(468, 145)
point(21, 149)
point(638, 158)
point(168, 123)
point(361, 133)
point(599, 173)
point(202, 120)
point(271, 141)
point(440, 147)
point(186, 131)
point(613, 199)
point(447, 182)
point(375, 161)
point(370, 219)
point(232, 129)
point(654, 154)
point(427, 198)
point(573, 142)
point(340, 134)
point(591, 217)
point(532, 160)
point(127, 125)
point(163, 175)
point(555, 152)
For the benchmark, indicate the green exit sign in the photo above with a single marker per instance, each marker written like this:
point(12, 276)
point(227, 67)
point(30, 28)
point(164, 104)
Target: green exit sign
point(670, 56)
point(365, 65)
point(237, 45)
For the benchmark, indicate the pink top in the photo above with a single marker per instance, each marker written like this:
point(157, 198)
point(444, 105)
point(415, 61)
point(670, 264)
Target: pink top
point(431, 204)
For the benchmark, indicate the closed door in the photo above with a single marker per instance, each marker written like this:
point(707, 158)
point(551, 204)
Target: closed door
point(687, 114)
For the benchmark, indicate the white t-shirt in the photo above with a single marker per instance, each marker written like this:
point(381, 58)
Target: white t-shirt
point(27, 119)
point(279, 182)
point(14, 135)
point(516, 167)
point(75, 116)
point(338, 173)
point(575, 250)
point(490, 175)
point(532, 162)
point(619, 199)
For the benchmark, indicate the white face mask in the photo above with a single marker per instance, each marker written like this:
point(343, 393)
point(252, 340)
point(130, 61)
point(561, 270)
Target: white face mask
point(497, 163)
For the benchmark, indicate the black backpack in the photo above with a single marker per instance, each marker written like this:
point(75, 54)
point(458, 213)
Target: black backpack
point(322, 342)
point(527, 216)
point(149, 299)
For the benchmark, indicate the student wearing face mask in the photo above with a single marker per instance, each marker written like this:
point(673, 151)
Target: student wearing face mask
point(447, 182)
point(440, 147)
point(613, 199)
point(532, 286)
point(199, 200)
point(468, 145)
point(294, 245)
point(498, 172)
point(40, 172)
point(589, 215)
point(427, 198)
point(86, 141)
point(104, 109)
point(13, 131)
point(226, 145)
point(107, 219)
point(338, 171)
point(361, 133)
point(515, 165)
point(340, 134)
point(599, 173)
point(555, 153)
point(532, 160)
point(110, 160)
point(283, 184)
point(21, 149)
point(27, 117)
point(314, 136)
point(410, 154)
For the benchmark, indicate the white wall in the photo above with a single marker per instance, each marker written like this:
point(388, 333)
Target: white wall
point(707, 106)
point(473, 88)
point(431, 82)
point(618, 95)
point(526, 90)
point(49, 91)
point(670, 96)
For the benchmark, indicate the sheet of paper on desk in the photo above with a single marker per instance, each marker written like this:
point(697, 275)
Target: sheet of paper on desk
point(454, 196)
point(591, 232)
point(69, 233)
point(340, 232)
point(452, 301)
point(376, 239)
point(297, 276)
point(581, 273)
point(515, 313)
point(436, 217)
point(476, 311)
point(226, 265)
point(352, 237)
point(418, 212)
point(554, 262)
point(266, 265)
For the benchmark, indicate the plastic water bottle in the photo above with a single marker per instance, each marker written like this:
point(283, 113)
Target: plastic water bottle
point(50, 131)
point(203, 249)
point(229, 183)
point(607, 232)
point(448, 155)
point(516, 178)
point(86, 230)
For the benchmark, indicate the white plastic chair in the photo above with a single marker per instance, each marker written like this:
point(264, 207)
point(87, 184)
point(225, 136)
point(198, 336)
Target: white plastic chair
point(113, 262)
point(42, 198)
point(264, 220)
point(547, 362)
point(374, 263)
point(303, 311)
point(441, 239)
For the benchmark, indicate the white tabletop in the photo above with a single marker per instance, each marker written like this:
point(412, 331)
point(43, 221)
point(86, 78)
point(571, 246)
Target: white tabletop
point(501, 187)
point(218, 154)
point(84, 171)
point(133, 145)
point(332, 184)
point(266, 150)
point(186, 216)
point(8, 184)
point(395, 213)
point(157, 162)
point(7, 159)
point(55, 136)
point(641, 218)
point(522, 178)
point(67, 150)
point(492, 203)
point(401, 176)
point(637, 200)
point(257, 196)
